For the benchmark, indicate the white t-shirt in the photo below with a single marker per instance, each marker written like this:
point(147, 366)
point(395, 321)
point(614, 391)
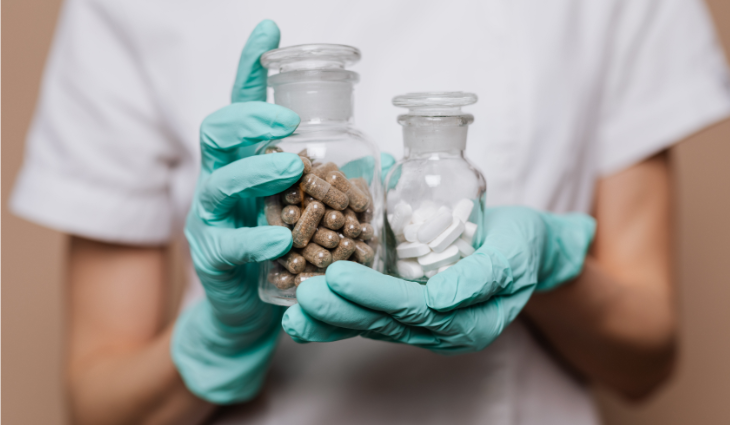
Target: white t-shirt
point(569, 91)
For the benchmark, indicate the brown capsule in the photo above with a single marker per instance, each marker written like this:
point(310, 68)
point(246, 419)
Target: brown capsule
point(325, 237)
point(367, 215)
point(338, 180)
point(282, 279)
point(311, 268)
point(368, 231)
point(292, 261)
point(272, 209)
point(333, 219)
point(344, 250)
point(293, 195)
point(336, 199)
point(362, 185)
point(352, 227)
point(305, 154)
point(322, 170)
point(315, 186)
point(290, 214)
point(317, 255)
point(325, 192)
point(307, 164)
point(374, 243)
point(273, 149)
point(358, 201)
point(359, 195)
point(301, 277)
point(307, 224)
point(307, 199)
point(274, 269)
point(363, 253)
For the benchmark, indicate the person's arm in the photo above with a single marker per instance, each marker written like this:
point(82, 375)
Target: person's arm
point(616, 322)
point(118, 364)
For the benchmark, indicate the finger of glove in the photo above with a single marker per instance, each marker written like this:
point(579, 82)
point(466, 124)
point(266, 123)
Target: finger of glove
point(227, 131)
point(570, 237)
point(218, 250)
point(472, 280)
point(316, 298)
point(415, 336)
point(363, 167)
point(361, 285)
point(476, 327)
point(256, 176)
point(304, 328)
point(250, 83)
point(472, 328)
point(507, 261)
point(386, 163)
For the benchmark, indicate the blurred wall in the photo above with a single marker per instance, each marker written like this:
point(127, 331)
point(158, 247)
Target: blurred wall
point(32, 261)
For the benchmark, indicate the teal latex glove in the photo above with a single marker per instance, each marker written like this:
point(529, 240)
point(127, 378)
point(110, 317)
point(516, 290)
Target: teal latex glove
point(462, 309)
point(222, 345)
point(364, 167)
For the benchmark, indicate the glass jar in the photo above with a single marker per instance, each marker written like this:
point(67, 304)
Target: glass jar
point(335, 210)
point(435, 197)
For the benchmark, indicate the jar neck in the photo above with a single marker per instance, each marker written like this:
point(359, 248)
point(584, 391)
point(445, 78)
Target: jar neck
point(424, 135)
point(447, 154)
point(319, 96)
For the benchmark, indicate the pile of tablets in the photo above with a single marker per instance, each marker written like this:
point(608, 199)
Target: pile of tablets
point(432, 238)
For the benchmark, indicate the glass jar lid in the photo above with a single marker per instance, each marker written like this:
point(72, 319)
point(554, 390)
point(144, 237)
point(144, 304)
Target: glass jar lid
point(435, 103)
point(310, 56)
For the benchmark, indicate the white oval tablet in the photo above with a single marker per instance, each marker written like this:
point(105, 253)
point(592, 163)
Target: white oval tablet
point(431, 273)
point(409, 269)
point(401, 216)
point(465, 248)
point(411, 232)
point(435, 225)
point(412, 249)
point(463, 208)
point(469, 230)
point(435, 260)
point(448, 236)
point(424, 213)
point(444, 268)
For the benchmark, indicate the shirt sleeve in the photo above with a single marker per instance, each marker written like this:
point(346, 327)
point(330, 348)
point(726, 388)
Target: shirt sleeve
point(98, 160)
point(666, 78)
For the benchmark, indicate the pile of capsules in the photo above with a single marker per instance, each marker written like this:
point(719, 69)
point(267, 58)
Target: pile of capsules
point(432, 238)
point(329, 216)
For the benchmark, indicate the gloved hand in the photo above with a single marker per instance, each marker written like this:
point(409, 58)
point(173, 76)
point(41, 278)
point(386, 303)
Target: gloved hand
point(462, 309)
point(222, 345)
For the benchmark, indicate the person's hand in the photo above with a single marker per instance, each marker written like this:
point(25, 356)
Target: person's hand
point(462, 309)
point(222, 345)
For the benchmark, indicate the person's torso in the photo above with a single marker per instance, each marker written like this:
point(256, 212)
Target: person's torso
point(535, 67)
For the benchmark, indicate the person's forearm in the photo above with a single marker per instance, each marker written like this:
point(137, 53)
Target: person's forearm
point(135, 386)
point(617, 333)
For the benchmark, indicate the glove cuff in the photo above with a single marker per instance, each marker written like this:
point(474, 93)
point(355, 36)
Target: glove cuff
point(569, 238)
point(215, 365)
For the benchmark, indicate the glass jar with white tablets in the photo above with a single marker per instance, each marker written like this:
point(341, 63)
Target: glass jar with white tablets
point(435, 197)
point(335, 210)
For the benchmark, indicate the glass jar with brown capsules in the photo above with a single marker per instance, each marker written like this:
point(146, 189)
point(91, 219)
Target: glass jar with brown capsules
point(335, 210)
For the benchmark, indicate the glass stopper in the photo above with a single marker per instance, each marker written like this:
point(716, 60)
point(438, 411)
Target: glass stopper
point(310, 56)
point(435, 103)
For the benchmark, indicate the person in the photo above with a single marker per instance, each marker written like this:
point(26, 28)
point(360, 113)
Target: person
point(579, 103)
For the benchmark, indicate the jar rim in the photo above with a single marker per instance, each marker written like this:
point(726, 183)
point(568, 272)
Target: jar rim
point(435, 99)
point(310, 56)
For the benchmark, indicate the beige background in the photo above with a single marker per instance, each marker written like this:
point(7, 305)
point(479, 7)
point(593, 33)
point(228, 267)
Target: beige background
point(32, 261)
